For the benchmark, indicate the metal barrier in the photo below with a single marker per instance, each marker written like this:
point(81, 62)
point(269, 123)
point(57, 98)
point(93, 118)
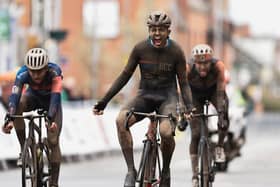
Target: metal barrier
point(82, 133)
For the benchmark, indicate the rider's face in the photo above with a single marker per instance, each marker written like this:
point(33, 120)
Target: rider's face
point(202, 67)
point(38, 75)
point(159, 35)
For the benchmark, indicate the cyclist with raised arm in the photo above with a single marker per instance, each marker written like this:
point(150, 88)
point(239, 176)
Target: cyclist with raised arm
point(206, 76)
point(161, 62)
point(44, 84)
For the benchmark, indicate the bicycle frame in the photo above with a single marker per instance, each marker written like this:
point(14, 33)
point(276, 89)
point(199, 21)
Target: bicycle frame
point(34, 149)
point(150, 164)
point(206, 164)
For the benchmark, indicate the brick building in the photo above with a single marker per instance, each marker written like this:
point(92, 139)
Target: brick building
point(95, 62)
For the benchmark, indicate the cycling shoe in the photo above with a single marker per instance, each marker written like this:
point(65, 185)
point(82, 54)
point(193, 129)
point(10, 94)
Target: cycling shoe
point(130, 179)
point(165, 179)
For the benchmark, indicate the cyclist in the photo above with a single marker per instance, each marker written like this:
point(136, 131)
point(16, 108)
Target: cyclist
point(160, 60)
point(207, 81)
point(44, 80)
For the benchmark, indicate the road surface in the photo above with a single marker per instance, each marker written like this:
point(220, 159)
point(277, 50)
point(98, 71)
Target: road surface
point(259, 165)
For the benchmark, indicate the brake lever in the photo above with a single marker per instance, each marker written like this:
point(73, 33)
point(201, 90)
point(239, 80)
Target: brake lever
point(7, 119)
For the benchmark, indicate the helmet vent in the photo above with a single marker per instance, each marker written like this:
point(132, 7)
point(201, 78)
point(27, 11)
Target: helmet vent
point(36, 59)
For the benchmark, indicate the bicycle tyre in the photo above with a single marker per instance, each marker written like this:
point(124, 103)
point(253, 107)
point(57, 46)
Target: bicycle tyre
point(203, 166)
point(43, 164)
point(143, 163)
point(29, 168)
point(152, 167)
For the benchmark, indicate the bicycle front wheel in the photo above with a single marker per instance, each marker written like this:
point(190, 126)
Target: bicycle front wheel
point(43, 164)
point(204, 166)
point(143, 164)
point(152, 167)
point(29, 160)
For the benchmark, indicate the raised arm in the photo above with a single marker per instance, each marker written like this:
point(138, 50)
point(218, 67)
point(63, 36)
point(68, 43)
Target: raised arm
point(119, 83)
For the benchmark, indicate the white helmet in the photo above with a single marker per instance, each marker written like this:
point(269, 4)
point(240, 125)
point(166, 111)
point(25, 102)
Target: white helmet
point(158, 18)
point(202, 52)
point(36, 59)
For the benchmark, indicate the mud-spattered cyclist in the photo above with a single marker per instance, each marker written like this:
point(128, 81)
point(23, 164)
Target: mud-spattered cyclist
point(161, 62)
point(206, 76)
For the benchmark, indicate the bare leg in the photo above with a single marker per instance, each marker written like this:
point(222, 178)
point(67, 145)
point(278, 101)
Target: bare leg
point(195, 136)
point(19, 122)
point(167, 149)
point(167, 143)
point(55, 156)
point(126, 143)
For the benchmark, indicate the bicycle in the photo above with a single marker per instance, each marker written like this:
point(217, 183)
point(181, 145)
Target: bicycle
point(35, 153)
point(206, 164)
point(149, 172)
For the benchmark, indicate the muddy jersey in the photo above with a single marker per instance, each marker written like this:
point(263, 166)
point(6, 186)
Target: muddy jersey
point(213, 82)
point(159, 68)
point(50, 88)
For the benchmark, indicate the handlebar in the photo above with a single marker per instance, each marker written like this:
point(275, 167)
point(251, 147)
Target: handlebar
point(29, 116)
point(152, 116)
point(204, 115)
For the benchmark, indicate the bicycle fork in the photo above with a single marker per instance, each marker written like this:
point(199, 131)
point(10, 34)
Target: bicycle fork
point(148, 165)
point(207, 166)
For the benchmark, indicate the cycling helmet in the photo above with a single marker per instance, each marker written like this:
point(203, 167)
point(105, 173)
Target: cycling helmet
point(36, 59)
point(158, 18)
point(202, 52)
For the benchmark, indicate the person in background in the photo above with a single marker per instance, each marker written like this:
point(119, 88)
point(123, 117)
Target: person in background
point(6, 83)
point(6, 88)
point(206, 76)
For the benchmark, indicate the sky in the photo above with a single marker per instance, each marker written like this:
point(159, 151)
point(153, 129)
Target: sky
point(262, 15)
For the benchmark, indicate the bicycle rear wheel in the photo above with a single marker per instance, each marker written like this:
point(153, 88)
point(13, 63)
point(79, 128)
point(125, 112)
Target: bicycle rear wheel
point(43, 164)
point(204, 166)
point(29, 160)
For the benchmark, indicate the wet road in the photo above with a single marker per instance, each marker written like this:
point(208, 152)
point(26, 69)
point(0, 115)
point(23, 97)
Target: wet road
point(258, 166)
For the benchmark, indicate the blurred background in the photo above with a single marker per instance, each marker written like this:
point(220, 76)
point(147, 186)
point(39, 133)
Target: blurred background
point(92, 39)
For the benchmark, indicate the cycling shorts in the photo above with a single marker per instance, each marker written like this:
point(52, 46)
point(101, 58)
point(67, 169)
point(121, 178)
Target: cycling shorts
point(161, 101)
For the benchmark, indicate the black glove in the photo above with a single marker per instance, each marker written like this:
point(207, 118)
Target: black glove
point(182, 122)
point(100, 106)
point(7, 119)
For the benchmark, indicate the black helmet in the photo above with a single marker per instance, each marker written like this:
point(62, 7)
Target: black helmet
point(158, 18)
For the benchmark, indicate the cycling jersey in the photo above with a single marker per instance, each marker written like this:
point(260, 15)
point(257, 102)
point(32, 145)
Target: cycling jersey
point(159, 68)
point(213, 82)
point(50, 87)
